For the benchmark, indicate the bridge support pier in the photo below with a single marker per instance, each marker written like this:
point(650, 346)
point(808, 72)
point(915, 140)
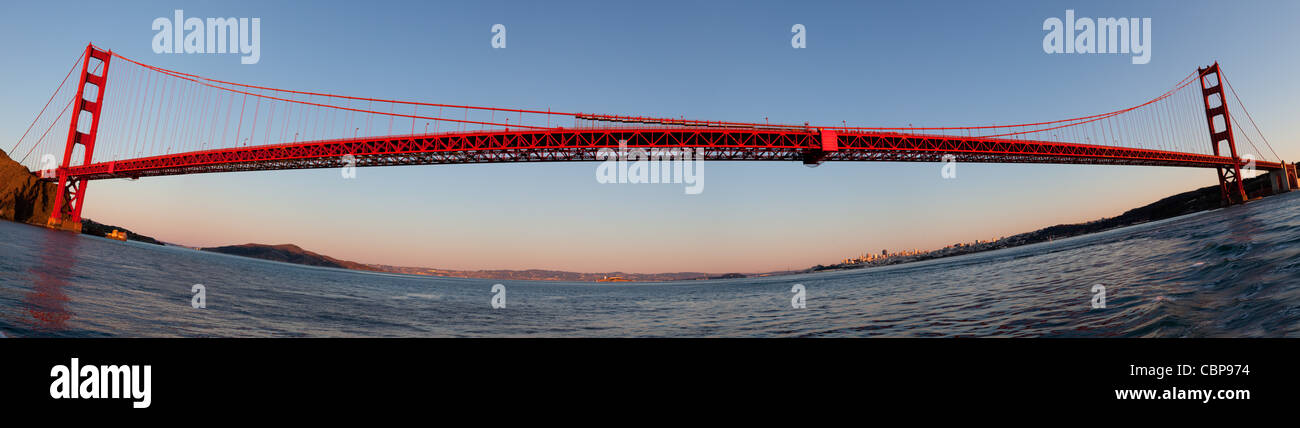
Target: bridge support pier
point(66, 214)
point(1280, 180)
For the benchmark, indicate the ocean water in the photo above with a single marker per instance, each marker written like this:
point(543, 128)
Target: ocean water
point(1232, 272)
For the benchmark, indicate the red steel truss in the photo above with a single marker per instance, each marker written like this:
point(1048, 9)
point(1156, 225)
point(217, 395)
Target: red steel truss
point(809, 146)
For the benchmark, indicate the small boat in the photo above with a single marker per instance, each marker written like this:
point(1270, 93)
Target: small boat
point(608, 278)
point(116, 234)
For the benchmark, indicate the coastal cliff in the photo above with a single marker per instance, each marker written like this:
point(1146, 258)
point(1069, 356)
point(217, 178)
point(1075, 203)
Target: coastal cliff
point(23, 197)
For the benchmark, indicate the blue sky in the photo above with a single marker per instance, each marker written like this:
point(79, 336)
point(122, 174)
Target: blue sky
point(867, 63)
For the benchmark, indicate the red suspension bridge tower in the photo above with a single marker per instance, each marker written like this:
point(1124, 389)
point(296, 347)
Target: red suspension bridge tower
point(72, 190)
point(1220, 124)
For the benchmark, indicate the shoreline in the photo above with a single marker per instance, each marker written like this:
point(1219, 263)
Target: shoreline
point(1208, 197)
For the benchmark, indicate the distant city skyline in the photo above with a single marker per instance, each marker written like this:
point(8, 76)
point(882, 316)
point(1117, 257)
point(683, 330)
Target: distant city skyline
point(866, 64)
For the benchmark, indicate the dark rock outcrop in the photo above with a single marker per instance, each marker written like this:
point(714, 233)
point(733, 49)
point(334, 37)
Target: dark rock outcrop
point(91, 227)
point(24, 197)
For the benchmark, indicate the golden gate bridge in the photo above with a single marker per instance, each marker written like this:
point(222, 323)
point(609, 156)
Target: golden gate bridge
point(152, 121)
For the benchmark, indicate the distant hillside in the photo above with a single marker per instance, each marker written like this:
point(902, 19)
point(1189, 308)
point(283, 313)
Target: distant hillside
point(288, 253)
point(549, 275)
point(1205, 198)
